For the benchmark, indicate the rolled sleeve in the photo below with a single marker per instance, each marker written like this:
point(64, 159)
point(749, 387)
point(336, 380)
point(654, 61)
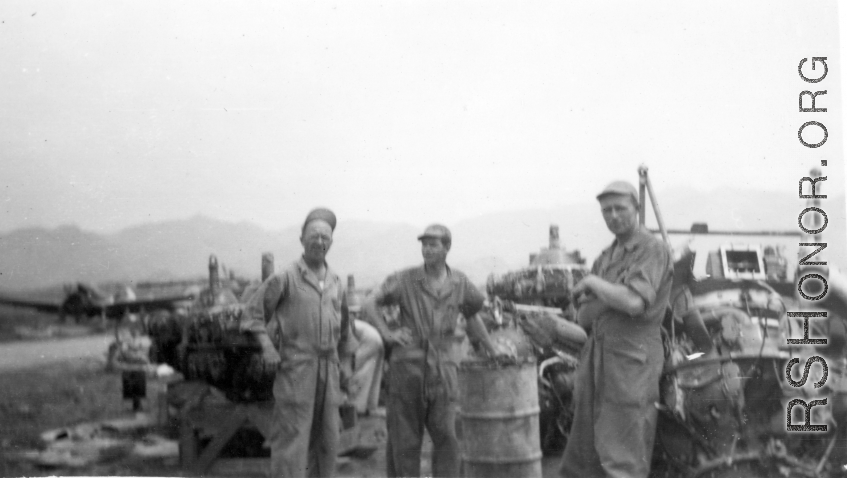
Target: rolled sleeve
point(389, 292)
point(647, 272)
point(473, 300)
point(640, 284)
point(261, 306)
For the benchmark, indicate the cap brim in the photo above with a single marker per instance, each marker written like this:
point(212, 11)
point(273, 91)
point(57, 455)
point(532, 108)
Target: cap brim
point(617, 193)
point(428, 236)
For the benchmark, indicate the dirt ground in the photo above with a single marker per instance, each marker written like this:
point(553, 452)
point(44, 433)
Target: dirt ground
point(59, 395)
point(61, 382)
point(37, 400)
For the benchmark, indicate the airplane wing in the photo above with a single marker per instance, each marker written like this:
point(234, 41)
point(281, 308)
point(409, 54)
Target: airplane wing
point(134, 306)
point(41, 306)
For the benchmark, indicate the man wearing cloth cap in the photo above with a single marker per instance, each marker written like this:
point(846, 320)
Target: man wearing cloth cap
point(623, 303)
point(423, 369)
point(296, 317)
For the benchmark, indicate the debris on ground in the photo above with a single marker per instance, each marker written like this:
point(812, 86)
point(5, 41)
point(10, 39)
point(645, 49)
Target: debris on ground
point(27, 332)
point(87, 444)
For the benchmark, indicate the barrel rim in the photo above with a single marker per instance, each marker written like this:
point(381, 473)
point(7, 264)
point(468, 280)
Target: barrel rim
point(534, 456)
point(522, 413)
point(477, 362)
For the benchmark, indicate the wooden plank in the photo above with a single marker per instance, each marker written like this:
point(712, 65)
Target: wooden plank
point(240, 467)
point(188, 444)
point(232, 423)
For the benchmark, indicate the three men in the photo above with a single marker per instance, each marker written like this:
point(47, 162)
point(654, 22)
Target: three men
point(296, 317)
point(423, 369)
point(625, 299)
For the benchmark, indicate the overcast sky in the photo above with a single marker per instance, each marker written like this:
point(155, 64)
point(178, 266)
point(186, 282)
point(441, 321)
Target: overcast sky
point(115, 113)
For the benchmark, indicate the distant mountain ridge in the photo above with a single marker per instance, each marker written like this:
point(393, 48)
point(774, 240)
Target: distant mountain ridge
point(38, 257)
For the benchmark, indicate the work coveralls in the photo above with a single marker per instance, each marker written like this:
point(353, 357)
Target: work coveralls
point(303, 320)
point(617, 382)
point(423, 376)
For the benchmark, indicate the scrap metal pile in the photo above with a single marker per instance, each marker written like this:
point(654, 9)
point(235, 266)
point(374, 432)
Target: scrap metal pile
point(725, 413)
point(204, 343)
point(547, 281)
point(552, 342)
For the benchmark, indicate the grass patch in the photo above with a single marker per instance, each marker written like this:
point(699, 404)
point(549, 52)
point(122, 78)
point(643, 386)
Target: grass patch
point(37, 400)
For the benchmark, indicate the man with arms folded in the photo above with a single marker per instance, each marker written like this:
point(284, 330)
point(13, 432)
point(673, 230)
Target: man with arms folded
point(623, 303)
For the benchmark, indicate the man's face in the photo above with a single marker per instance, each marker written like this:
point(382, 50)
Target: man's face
point(433, 251)
point(316, 239)
point(620, 213)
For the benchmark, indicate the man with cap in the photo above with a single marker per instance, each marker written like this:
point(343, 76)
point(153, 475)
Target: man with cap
point(296, 317)
point(623, 302)
point(423, 368)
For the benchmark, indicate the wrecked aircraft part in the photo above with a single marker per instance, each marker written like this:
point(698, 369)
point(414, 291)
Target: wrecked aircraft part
point(540, 303)
point(165, 331)
point(205, 343)
point(84, 301)
point(535, 333)
point(723, 415)
point(547, 281)
point(219, 354)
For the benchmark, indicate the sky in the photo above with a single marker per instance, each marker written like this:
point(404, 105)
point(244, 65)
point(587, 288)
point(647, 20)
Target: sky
point(117, 113)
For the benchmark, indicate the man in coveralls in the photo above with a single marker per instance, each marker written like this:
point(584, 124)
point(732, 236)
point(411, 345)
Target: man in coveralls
point(296, 317)
point(624, 301)
point(423, 369)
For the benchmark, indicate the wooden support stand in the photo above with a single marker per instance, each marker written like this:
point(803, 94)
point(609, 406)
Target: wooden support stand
point(203, 416)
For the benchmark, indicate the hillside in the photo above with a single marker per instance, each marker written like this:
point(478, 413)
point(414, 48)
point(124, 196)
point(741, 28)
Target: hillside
point(39, 258)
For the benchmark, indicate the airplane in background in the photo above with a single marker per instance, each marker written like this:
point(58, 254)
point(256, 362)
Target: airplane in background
point(85, 300)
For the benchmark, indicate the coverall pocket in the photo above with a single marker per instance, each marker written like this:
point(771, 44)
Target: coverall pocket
point(294, 384)
point(627, 377)
point(450, 380)
point(405, 378)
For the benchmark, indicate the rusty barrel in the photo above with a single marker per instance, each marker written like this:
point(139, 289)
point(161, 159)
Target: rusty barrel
point(499, 417)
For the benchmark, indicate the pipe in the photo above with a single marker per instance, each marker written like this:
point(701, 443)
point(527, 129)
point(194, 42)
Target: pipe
point(267, 265)
point(644, 180)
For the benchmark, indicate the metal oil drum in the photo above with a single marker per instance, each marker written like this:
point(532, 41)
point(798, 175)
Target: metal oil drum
point(499, 417)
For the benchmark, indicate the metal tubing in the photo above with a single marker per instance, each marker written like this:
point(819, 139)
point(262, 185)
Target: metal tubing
point(644, 180)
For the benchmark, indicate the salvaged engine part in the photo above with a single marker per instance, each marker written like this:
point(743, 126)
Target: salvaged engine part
point(205, 343)
point(547, 281)
point(725, 415)
point(540, 334)
point(216, 352)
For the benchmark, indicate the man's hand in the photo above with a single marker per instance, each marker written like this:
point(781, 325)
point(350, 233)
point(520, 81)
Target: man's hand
point(500, 352)
point(585, 286)
point(401, 337)
point(589, 311)
point(619, 297)
point(270, 358)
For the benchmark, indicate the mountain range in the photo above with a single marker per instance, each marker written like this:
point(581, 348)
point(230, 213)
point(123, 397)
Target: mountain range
point(36, 258)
